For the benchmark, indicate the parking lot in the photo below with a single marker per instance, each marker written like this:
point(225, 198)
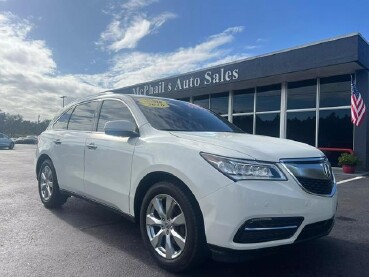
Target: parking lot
point(84, 239)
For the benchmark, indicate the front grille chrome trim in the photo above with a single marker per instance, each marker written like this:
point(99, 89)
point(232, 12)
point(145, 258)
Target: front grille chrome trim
point(304, 161)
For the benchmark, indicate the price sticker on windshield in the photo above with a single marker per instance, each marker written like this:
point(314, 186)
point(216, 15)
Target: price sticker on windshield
point(153, 103)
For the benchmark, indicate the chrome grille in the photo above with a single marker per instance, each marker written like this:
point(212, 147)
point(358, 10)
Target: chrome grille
point(314, 175)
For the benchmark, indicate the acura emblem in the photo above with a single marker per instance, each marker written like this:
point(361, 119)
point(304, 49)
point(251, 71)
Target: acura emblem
point(326, 170)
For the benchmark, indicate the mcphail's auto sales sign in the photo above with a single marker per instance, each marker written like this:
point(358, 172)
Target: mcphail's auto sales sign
point(209, 77)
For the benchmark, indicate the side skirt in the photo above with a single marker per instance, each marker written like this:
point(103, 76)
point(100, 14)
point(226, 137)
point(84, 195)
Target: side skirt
point(113, 209)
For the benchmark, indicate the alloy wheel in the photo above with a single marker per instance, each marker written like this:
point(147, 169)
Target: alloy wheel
point(166, 226)
point(46, 183)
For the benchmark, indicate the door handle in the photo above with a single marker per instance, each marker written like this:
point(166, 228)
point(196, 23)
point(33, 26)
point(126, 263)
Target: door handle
point(57, 141)
point(91, 146)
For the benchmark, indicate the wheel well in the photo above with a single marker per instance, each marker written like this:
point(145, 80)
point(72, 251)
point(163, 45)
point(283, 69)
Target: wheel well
point(151, 179)
point(40, 160)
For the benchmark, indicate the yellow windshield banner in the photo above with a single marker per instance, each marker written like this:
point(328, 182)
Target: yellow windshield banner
point(153, 103)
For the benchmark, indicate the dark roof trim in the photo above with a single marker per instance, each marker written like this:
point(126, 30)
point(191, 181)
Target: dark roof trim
point(340, 50)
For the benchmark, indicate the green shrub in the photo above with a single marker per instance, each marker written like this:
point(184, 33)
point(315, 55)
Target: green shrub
point(348, 159)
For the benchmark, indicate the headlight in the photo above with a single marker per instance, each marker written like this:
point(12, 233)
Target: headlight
point(237, 169)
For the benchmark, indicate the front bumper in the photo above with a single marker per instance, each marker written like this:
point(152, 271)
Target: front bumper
point(226, 210)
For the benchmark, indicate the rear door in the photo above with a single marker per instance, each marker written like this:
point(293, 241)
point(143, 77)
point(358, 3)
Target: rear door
point(70, 145)
point(52, 140)
point(108, 159)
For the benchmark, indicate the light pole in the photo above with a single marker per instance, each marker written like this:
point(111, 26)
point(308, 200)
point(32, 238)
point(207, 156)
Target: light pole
point(63, 97)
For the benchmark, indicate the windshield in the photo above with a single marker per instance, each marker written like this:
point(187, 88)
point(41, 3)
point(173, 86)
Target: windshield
point(175, 115)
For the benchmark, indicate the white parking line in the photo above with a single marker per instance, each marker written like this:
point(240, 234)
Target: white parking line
point(349, 180)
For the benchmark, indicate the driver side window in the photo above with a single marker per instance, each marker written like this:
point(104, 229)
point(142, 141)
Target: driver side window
point(113, 110)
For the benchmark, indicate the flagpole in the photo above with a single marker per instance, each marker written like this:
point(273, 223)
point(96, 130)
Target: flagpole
point(353, 132)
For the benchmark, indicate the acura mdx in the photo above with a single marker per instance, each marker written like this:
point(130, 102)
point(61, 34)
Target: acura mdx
point(194, 182)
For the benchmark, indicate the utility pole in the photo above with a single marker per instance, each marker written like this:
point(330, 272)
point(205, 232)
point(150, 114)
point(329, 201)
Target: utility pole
point(63, 97)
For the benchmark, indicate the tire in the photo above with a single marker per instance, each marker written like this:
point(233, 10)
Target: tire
point(186, 251)
point(48, 187)
point(11, 145)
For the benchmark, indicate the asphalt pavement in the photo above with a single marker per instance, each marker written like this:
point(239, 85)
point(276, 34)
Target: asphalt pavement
point(83, 239)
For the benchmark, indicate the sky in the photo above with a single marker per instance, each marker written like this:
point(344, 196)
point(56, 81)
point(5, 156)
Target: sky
point(74, 48)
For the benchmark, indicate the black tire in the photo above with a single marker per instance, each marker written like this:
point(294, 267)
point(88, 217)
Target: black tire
point(195, 250)
point(11, 145)
point(57, 199)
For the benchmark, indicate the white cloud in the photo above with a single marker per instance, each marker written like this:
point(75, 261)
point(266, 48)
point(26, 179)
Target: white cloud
point(260, 40)
point(28, 83)
point(129, 25)
point(252, 47)
point(121, 34)
point(132, 68)
point(137, 4)
point(18, 53)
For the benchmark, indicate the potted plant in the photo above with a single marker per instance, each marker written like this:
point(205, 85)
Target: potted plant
point(348, 162)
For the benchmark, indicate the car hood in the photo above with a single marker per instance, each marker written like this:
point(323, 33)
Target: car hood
point(257, 147)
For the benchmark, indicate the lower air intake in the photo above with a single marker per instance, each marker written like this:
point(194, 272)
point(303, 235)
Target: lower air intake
point(316, 230)
point(267, 229)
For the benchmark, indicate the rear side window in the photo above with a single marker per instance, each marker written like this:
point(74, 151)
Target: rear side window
point(1, 136)
point(82, 117)
point(62, 122)
point(113, 110)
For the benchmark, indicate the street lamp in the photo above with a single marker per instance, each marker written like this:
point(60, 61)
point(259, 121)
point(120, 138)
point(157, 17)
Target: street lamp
point(63, 97)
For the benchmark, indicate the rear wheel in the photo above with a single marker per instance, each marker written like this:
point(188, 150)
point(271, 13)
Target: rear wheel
point(172, 227)
point(11, 145)
point(48, 186)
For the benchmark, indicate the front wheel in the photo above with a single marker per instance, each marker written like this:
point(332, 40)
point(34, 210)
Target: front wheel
point(11, 145)
point(48, 186)
point(172, 227)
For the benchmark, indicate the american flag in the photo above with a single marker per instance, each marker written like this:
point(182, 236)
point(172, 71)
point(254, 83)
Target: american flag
point(358, 108)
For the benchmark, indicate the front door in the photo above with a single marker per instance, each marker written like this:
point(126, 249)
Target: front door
point(108, 159)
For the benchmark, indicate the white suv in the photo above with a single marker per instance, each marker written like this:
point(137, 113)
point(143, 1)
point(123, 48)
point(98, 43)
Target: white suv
point(192, 180)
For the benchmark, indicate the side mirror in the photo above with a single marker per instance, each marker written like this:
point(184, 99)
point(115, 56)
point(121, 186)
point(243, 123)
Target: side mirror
point(121, 128)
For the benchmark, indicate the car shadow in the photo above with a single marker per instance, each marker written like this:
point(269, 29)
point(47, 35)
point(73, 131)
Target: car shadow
point(323, 257)
point(106, 225)
point(327, 256)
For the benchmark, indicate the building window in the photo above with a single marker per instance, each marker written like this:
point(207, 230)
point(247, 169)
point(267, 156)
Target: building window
point(335, 91)
point(202, 101)
point(301, 95)
point(301, 126)
point(335, 128)
point(268, 105)
point(244, 122)
point(267, 124)
point(268, 98)
point(219, 103)
point(243, 101)
point(301, 123)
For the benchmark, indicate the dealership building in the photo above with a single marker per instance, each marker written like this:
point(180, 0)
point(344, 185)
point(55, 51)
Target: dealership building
point(302, 93)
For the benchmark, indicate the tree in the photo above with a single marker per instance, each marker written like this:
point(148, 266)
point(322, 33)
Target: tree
point(16, 126)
